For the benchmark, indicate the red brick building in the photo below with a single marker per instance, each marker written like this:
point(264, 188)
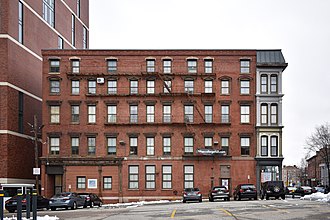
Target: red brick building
point(27, 26)
point(144, 124)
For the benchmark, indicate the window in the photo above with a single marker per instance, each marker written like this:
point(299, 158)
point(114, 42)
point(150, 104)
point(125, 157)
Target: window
point(224, 87)
point(225, 114)
point(264, 113)
point(208, 65)
point(133, 146)
point(112, 87)
point(112, 66)
point(150, 177)
point(92, 114)
point(264, 146)
point(73, 34)
point(273, 83)
point(112, 113)
point(133, 177)
point(54, 86)
point(208, 87)
point(150, 146)
point(91, 145)
point(274, 146)
point(55, 114)
point(167, 176)
point(167, 66)
point(167, 114)
point(189, 86)
point(188, 176)
point(134, 85)
point(75, 113)
point(150, 113)
point(112, 149)
point(91, 86)
point(245, 87)
point(150, 86)
point(150, 66)
point(54, 66)
point(54, 146)
point(81, 182)
point(273, 114)
point(75, 66)
point(225, 144)
point(20, 22)
point(264, 84)
point(75, 87)
point(245, 114)
point(60, 43)
point(192, 66)
point(245, 66)
point(75, 146)
point(188, 113)
point(84, 38)
point(167, 145)
point(208, 113)
point(167, 86)
point(188, 145)
point(107, 182)
point(133, 111)
point(208, 142)
point(48, 12)
point(78, 8)
point(20, 112)
point(245, 146)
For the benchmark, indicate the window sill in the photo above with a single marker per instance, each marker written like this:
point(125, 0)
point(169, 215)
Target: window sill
point(54, 94)
point(149, 189)
point(171, 189)
point(75, 123)
point(54, 123)
point(133, 189)
point(54, 73)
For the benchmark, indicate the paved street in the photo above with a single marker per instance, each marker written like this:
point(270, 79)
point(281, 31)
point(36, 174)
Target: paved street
point(233, 210)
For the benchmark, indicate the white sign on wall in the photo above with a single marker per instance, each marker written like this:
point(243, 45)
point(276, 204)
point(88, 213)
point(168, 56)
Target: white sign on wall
point(36, 171)
point(92, 184)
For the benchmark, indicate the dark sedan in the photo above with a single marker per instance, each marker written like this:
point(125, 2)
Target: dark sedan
point(245, 191)
point(219, 192)
point(91, 199)
point(302, 191)
point(11, 204)
point(66, 200)
point(192, 194)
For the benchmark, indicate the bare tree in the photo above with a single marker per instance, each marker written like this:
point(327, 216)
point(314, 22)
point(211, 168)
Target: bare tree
point(319, 142)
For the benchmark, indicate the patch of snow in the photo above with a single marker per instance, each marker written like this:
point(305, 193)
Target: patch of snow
point(46, 217)
point(137, 204)
point(320, 197)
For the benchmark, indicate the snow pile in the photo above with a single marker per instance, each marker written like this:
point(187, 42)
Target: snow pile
point(137, 204)
point(46, 217)
point(320, 197)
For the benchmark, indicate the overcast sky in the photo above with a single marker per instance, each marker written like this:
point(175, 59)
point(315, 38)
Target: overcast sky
point(300, 28)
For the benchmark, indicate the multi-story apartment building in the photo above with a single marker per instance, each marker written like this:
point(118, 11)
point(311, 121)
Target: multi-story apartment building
point(317, 171)
point(26, 27)
point(291, 175)
point(269, 157)
point(144, 124)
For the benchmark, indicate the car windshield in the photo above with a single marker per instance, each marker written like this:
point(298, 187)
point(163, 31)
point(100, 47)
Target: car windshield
point(62, 195)
point(275, 183)
point(248, 187)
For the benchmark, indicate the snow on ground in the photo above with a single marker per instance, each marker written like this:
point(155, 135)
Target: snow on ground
point(320, 197)
point(46, 217)
point(137, 204)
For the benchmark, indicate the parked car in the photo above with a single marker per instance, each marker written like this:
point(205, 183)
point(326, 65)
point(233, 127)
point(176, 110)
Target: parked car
point(245, 191)
point(191, 194)
point(66, 200)
point(302, 191)
point(219, 192)
point(11, 204)
point(91, 199)
point(273, 189)
point(290, 190)
point(320, 189)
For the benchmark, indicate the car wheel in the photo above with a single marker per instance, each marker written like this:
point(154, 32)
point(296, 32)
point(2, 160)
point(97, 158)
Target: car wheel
point(267, 197)
point(100, 204)
point(11, 210)
point(283, 197)
point(200, 200)
point(184, 201)
point(276, 197)
point(85, 205)
point(210, 199)
point(53, 208)
point(256, 198)
point(239, 198)
point(74, 206)
point(92, 204)
point(228, 199)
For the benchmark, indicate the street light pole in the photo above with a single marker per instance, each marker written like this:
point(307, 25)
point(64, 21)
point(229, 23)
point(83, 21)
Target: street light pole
point(36, 152)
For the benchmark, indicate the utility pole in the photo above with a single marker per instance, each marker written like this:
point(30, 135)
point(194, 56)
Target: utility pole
point(35, 129)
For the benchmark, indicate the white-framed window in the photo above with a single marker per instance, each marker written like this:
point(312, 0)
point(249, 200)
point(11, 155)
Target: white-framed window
point(189, 113)
point(75, 66)
point(208, 86)
point(133, 145)
point(84, 41)
point(167, 86)
point(208, 109)
point(78, 8)
point(245, 114)
point(150, 113)
point(167, 176)
point(245, 86)
point(75, 87)
point(225, 144)
point(48, 12)
point(112, 87)
point(134, 86)
point(245, 146)
point(107, 182)
point(150, 86)
point(274, 146)
point(189, 145)
point(167, 113)
point(91, 86)
point(167, 66)
point(192, 66)
point(264, 145)
point(151, 66)
point(112, 147)
point(208, 66)
point(54, 145)
point(91, 114)
point(273, 83)
point(112, 113)
point(54, 86)
point(73, 30)
point(60, 43)
point(188, 176)
point(54, 66)
point(20, 22)
point(55, 114)
point(264, 83)
point(133, 111)
point(150, 177)
point(224, 87)
point(112, 66)
point(264, 113)
point(166, 145)
point(225, 114)
point(74, 145)
point(208, 142)
point(91, 141)
point(189, 86)
point(75, 109)
point(133, 177)
point(245, 66)
point(81, 182)
point(150, 146)
point(273, 114)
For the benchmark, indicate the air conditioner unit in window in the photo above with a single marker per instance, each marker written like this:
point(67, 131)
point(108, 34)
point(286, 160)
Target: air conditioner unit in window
point(100, 80)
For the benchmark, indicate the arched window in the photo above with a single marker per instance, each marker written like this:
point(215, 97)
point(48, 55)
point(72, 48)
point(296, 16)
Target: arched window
point(264, 83)
point(264, 145)
point(273, 83)
point(273, 114)
point(264, 113)
point(274, 146)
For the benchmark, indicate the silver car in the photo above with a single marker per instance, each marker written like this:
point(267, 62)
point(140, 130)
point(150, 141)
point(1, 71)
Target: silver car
point(219, 192)
point(192, 194)
point(66, 200)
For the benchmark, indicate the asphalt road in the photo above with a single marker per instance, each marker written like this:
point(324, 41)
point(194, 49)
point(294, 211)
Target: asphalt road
point(293, 209)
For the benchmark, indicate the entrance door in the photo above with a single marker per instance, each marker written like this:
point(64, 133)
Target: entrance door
point(58, 184)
